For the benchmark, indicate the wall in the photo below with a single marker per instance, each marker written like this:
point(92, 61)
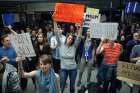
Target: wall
point(39, 7)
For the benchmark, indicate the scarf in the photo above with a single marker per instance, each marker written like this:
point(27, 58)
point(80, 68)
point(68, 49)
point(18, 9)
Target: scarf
point(47, 83)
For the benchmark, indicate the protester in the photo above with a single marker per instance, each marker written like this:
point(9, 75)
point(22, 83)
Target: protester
point(135, 54)
point(9, 79)
point(130, 44)
point(46, 80)
point(88, 56)
point(56, 40)
point(33, 37)
point(30, 63)
point(49, 33)
point(107, 72)
point(7, 52)
point(42, 46)
point(135, 58)
point(39, 32)
point(68, 63)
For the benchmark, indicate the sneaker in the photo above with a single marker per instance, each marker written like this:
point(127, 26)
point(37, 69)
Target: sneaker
point(86, 91)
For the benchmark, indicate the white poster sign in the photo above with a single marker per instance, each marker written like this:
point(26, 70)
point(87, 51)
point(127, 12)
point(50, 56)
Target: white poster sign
point(22, 45)
point(104, 30)
point(91, 14)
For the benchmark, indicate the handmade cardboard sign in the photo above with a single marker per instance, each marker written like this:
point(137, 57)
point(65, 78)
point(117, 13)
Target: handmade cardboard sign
point(129, 72)
point(91, 14)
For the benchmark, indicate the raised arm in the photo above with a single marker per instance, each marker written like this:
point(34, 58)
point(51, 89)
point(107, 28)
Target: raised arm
point(100, 47)
point(55, 27)
point(78, 38)
point(12, 31)
point(79, 29)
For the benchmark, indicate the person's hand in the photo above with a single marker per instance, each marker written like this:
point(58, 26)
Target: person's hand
point(78, 26)
point(9, 26)
point(5, 60)
point(122, 38)
point(103, 40)
point(11, 30)
point(55, 26)
point(79, 29)
point(19, 59)
point(138, 58)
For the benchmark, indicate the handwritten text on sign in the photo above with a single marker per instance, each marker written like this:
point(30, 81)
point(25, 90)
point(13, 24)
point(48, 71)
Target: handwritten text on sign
point(104, 30)
point(23, 45)
point(71, 13)
point(129, 72)
point(91, 14)
point(89, 17)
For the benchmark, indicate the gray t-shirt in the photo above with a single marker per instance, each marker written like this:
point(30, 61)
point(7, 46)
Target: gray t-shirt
point(67, 55)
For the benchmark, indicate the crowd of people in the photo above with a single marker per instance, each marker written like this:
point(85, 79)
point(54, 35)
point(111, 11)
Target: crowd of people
point(60, 52)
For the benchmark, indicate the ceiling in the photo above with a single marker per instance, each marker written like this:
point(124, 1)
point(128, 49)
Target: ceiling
point(93, 3)
point(12, 3)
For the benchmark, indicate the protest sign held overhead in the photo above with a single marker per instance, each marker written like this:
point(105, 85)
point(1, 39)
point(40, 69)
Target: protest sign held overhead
point(128, 72)
point(104, 30)
point(72, 13)
point(8, 19)
point(22, 45)
point(91, 14)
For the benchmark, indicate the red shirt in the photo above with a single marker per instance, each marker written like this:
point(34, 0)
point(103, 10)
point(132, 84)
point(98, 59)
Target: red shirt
point(111, 54)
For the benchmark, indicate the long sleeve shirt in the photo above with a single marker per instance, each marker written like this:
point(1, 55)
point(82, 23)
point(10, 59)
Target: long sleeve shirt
point(55, 46)
point(67, 55)
point(10, 53)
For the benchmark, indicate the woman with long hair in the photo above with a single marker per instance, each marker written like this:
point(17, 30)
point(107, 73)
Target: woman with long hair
point(42, 46)
point(67, 58)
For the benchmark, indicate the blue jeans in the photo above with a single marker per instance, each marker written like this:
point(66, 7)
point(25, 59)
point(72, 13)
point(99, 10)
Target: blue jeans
point(72, 76)
point(106, 75)
point(107, 72)
point(83, 65)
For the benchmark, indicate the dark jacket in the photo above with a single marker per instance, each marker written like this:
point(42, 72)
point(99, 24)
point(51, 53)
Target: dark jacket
point(46, 50)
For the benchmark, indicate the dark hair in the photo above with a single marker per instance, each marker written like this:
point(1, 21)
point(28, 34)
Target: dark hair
point(6, 30)
point(3, 37)
point(72, 40)
point(45, 59)
point(45, 40)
